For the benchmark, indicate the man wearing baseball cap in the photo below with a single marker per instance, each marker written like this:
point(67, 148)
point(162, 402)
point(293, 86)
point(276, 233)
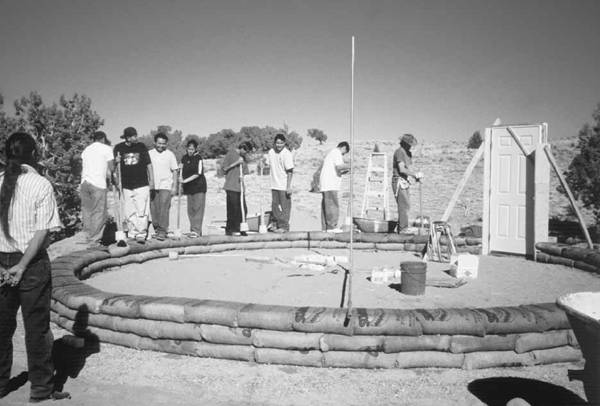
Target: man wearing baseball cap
point(135, 181)
point(401, 178)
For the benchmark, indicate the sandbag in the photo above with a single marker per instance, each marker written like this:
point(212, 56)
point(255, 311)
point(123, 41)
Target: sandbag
point(576, 253)
point(323, 320)
point(123, 305)
point(390, 246)
point(496, 359)
point(66, 280)
point(363, 245)
point(358, 359)
point(554, 259)
point(288, 340)
point(464, 344)
point(214, 333)
point(451, 321)
point(213, 312)
point(556, 355)
point(542, 257)
point(572, 339)
point(393, 344)
point(549, 316)
point(224, 351)
point(164, 308)
point(297, 244)
point(550, 248)
point(593, 259)
point(268, 317)
point(170, 346)
point(584, 266)
point(82, 295)
point(330, 244)
point(386, 322)
point(288, 357)
point(258, 245)
point(429, 359)
point(539, 341)
point(338, 342)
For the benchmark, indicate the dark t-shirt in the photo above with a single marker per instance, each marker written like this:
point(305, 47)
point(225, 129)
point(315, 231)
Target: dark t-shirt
point(190, 168)
point(401, 156)
point(134, 163)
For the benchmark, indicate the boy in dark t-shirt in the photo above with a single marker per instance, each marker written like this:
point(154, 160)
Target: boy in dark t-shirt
point(135, 181)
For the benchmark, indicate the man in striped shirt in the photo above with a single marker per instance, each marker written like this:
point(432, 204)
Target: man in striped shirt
point(28, 211)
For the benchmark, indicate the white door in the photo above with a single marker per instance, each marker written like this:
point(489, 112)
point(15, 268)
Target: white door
point(511, 188)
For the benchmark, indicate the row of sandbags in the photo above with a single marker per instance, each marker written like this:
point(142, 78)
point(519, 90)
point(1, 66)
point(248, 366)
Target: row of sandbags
point(220, 334)
point(260, 346)
point(582, 258)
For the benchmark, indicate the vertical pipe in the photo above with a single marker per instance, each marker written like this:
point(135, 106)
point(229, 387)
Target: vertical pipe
point(349, 311)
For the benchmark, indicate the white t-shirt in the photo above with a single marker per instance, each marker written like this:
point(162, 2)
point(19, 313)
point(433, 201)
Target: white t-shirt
point(95, 158)
point(329, 177)
point(279, 164)
point(163, 165)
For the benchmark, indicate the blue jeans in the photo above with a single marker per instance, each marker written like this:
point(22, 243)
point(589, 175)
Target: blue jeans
point(33, 296)
point(160, 205)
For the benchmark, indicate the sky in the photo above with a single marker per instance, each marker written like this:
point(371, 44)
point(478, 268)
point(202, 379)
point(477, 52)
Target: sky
point(437, 69)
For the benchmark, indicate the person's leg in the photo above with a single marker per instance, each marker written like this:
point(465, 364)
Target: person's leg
point(129, 212)
point(86, 208)
point(198, 218)
point(323, 213)
point(403, 201)
point(164, 209)
point(9, 304)
point(154, 210)
point(191, 209)
point(275, 209)
point(35, 292)
point(334, 209)
point(98, 213)
point(286, 205)
point(141, 202)
point(234, 212)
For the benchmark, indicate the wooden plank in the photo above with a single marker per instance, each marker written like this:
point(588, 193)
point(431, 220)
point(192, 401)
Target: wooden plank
point(485, 236)
point(517, 141)
point(463, 182)
point(564, 184)
point(541, 211)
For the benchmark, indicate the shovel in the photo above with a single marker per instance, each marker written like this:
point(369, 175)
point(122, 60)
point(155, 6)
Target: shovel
point(177, 233)
point(117, 196)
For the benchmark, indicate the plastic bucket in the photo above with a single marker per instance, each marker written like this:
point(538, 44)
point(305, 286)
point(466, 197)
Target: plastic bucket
point(414, 275)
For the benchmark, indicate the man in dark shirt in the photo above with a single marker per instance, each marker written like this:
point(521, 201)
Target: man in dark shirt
point(135, 179)
point(234, 166)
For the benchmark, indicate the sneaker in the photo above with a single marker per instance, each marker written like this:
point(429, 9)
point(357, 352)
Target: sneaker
point(161, 237)
point(280, 230)
point(52, 396)
point(335, 230)
point(192, 234)
point(140, 238)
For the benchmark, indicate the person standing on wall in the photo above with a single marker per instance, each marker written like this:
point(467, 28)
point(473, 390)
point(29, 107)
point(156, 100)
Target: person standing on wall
point(234, 165)
point(28, 211)
point(97, 166)
point(137, 178)
point(401, 174)
point(330, 182)
point(194, 187)
point(281, 163)
point(164, 166)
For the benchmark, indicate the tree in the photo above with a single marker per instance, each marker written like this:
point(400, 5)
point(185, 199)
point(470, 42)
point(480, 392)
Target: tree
point(62, 130)
point(583, 175)
point(317, 135)
point(475, 140)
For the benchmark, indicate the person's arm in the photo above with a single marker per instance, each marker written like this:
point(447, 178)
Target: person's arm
point(402, 168)
point(227, 168)
point(196, 175)
point(342, 168)
point(288, 188)
point(35, 245)
point(110, 168)
point(150, 173)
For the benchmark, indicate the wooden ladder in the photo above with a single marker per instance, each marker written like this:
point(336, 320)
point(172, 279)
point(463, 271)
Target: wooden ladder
point(437, 231)
point(375, 198)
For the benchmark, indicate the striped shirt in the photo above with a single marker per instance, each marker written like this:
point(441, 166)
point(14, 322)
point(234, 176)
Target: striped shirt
point(33, 208)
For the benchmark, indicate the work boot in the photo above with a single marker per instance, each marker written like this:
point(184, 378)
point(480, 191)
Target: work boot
point(52, 396)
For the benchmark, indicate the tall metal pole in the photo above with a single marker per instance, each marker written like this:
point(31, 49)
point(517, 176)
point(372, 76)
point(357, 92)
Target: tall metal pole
point(349, 311)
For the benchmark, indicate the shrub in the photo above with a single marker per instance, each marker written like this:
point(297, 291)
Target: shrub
point(475, 140)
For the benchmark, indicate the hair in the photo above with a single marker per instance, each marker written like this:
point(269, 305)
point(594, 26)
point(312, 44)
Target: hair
point(245, 145)
point(192, 142)
point(20, 149)
point(161, 135)
point(344, 144)
point(99, 136)
point(279, 136)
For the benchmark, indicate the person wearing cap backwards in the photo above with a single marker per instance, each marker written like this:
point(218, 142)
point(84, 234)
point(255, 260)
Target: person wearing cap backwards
point(97, 165)
point(401, 178)
point(137, 178)
point(28, 211)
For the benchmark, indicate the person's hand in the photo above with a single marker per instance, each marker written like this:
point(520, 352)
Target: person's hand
point(419, 176)
point(15, 274)
point(174, 191)
point(4, 276)
point(288, 192)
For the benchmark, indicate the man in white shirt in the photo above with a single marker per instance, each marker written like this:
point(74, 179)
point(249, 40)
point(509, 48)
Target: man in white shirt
point(281, 163)
point(164, 166)
point(97, 166)
point(330, 181)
